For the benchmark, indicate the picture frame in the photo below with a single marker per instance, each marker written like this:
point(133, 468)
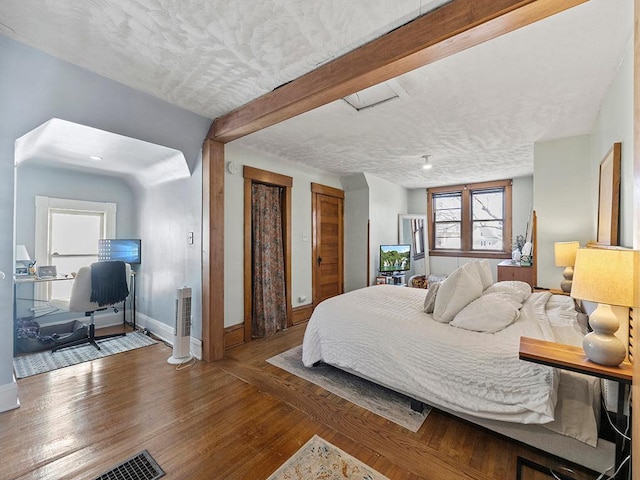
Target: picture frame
point(609, 197)
point(381, 280)
point(47, 271)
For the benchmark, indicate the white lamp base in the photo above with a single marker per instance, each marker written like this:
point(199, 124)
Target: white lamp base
point(565, 285)
point(602, 346)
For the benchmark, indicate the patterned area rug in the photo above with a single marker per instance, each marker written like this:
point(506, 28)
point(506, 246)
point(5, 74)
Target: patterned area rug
point(319, 460)
point(379, 400)
point(41, 362)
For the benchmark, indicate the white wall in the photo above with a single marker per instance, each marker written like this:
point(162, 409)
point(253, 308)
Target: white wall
point(417, 201)
point(168, 212)
point(301, 281)
point(35, 87)
point(562, 200)
point(356, 224)
point(386, 201)
point(566, 175)
point(615, 124)
point(32, 180)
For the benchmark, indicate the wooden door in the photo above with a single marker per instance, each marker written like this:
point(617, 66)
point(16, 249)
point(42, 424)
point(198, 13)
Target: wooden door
point(328, 242)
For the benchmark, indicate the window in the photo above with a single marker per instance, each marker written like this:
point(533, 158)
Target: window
point(470, 220)
point(67, 233)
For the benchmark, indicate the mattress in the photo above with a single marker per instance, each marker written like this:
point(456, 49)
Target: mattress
point(381, 333)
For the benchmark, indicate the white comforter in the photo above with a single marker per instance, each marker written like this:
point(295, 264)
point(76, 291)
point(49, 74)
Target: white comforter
point(381, 333)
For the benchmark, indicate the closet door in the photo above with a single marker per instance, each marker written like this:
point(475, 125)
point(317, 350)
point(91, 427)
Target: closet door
point(328, 242)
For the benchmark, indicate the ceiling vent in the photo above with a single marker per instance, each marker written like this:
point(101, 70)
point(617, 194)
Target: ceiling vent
point(375, 95)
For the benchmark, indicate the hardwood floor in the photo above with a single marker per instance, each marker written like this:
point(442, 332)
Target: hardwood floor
point(239, 418)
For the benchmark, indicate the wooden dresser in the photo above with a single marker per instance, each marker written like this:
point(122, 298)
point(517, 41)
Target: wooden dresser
point(508, 271)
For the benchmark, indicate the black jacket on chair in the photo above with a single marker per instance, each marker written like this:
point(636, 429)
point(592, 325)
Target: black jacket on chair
point(108, 282)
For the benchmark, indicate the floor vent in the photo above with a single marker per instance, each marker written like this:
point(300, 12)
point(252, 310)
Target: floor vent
point(139, 467)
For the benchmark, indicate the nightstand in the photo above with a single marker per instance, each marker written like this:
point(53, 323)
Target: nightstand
point(507, 270)
point(569, 357)
point(554, 291)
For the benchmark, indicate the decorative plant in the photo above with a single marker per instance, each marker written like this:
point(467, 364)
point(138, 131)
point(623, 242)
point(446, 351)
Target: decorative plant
point(519, 243)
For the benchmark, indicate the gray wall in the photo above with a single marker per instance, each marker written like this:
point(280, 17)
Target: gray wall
point(35, 87)
point(301, 241)
point(32, 180)
point(386, 201)
point(566, 175)
point(356, 221)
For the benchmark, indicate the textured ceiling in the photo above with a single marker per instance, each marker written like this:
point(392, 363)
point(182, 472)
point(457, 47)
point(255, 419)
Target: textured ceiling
point(477, 113)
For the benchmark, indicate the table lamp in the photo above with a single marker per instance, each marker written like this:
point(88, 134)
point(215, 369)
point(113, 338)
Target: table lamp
point(607, 277)
point(565, 253)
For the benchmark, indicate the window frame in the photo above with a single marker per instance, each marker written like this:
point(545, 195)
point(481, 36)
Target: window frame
point(466, 222)
point(44, 206)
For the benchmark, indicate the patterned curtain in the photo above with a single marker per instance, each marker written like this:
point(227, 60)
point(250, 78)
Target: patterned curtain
point(269, 298)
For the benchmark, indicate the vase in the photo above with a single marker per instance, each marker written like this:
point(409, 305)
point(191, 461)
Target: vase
point(515, 256)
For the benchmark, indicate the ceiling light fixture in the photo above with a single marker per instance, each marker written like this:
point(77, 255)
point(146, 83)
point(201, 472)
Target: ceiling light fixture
point(95, 157)
point(427, 165)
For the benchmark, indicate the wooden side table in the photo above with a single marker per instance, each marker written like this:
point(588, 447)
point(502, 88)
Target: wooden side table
point(507, 270)
point(554, 291)
point(569, 357)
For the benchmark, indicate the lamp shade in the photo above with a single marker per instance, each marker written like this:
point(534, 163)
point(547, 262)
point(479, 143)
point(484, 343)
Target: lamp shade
point(607, 276)
point(21, 254)
point(565, 253)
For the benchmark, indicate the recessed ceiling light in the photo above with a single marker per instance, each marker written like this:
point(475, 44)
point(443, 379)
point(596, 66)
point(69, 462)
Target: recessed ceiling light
point(97, 158)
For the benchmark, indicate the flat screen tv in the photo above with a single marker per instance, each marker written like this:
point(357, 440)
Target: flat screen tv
point(395, 258)
point(128, 250)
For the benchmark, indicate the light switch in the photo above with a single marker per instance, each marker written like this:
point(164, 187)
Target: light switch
point(190, 238)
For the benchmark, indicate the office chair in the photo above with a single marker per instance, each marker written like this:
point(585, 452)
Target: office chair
point(97, 287)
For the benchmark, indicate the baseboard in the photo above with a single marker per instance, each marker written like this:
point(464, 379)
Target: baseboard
point(9, 396)
point(302, 313)
point(104, 319)
point(159, 329)
point(233, 336)
point(165, 333)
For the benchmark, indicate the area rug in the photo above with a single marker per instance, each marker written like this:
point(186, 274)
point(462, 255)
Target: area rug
point(41, 362)
point(384, 402)
point(319, 460)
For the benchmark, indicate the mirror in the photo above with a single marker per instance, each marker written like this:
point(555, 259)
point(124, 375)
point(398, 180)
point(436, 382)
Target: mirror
point(412, 229)
point(609, 197)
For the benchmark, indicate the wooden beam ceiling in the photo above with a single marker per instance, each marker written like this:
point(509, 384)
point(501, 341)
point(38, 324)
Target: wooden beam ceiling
point(456, 26)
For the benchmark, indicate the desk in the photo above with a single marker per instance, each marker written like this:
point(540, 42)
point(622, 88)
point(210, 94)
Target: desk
point(34, 279)
point(572, 358)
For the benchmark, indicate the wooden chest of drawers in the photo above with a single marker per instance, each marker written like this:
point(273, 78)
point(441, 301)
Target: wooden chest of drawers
point(508, 271)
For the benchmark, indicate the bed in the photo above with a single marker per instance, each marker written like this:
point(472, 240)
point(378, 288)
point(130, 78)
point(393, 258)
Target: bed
point(383, 334)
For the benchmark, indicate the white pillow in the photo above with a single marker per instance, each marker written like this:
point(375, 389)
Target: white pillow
point(519, 291)
point(486, 276)
point(473, 268)
point(430, 297)
point(456, 292)
point(489, 313)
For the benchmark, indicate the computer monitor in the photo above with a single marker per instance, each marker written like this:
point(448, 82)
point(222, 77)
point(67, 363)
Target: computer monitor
point(128, 250)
